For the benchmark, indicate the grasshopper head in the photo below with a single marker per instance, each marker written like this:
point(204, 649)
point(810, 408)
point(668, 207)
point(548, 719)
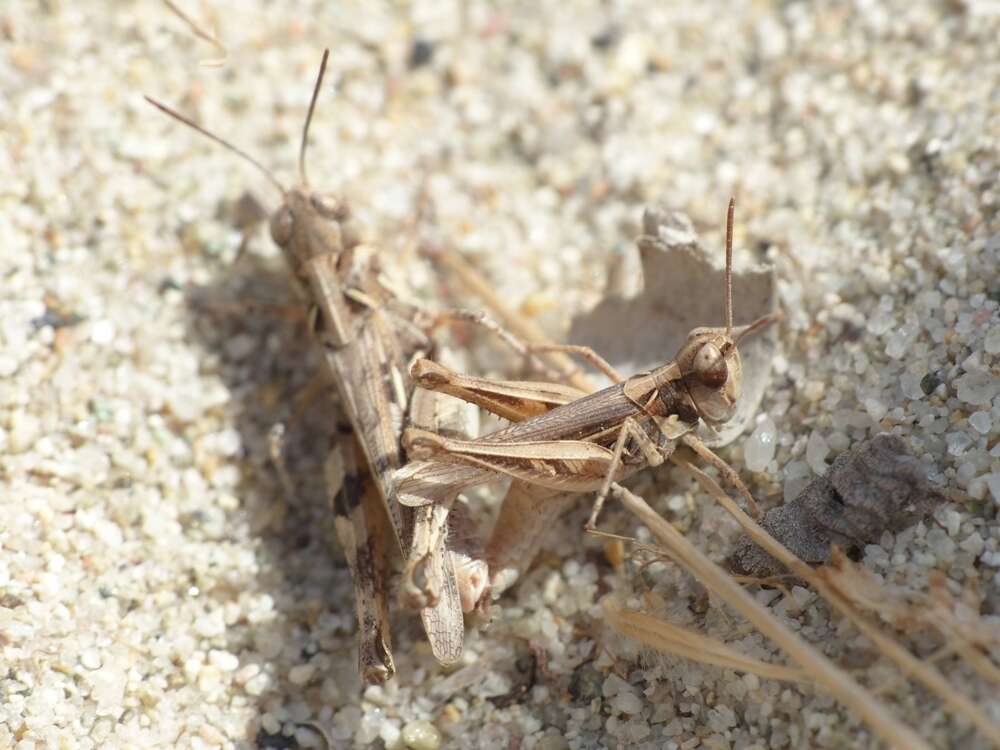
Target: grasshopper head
point(308, 224)
point(709, 361)
point(712, 372)
point(711, 368)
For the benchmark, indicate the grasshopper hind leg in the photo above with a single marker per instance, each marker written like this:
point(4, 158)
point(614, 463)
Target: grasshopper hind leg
point(365, 537)
point(526, 514)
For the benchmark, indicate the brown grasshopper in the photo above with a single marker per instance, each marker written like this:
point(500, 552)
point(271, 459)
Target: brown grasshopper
point(368, 342)
point(583, 444)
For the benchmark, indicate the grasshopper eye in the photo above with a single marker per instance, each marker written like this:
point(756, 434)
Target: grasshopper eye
point(330, 207)
point(710, 366)
point(282, 224)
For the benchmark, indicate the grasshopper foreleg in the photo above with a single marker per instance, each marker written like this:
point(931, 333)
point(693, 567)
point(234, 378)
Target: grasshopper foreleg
point(650, 451)
point(727, 472)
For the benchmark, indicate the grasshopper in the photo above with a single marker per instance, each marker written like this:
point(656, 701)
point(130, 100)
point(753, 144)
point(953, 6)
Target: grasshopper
point(368, 341)
point(560, 444)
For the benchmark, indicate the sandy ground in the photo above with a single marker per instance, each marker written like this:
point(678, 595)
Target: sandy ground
point(161, 587)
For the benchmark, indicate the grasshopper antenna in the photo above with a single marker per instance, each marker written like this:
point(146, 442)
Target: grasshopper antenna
point(222, 142)
point(729, 266)
point(758, 324)
point(309, 117)
point(199, 32)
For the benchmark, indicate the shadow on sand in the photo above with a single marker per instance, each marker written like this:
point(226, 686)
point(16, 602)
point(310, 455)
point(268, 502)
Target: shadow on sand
point(299, 608)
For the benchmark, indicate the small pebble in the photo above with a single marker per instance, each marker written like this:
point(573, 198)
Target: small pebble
point(993, 483)
point(814, 390)
point(300, 674)
point(896, 347)
point(421, 53)
point(973, 544)
point(875, 407)
point(91, 659)
point(816, 452)
point(257, 685)
point(759, 448)
point(211, 735)
point(881, 321)
point(981, 422)
point(348, 720)
point(102, 332)
point(911, 386)
point(930, 382)
point(247, 673)
point(270, 723)
point(370, 727)
point(211, 624)
point(991, 344)
point(25, 429)
point(627, 702)
point(8, 365)
point(209, 679)
point(224, 660)
point(797, 474)
point(613, 684)
point(390, 734)
point(552, 742)
point(421, 735)
point(977, 388)
point(958, 443)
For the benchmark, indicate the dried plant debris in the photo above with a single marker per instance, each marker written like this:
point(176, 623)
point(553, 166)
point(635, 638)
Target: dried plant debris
point(943, 607)
point(681, 284)
point(878, 486)
point(687, 643)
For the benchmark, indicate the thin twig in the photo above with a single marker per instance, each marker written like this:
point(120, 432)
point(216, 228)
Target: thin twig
point(826, 673)
point(908, 663)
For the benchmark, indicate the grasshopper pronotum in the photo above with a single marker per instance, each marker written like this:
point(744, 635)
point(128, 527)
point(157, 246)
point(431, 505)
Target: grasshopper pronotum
point(585, 444)
point(369, 339)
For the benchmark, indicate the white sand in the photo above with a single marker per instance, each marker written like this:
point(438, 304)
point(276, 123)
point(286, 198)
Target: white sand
point(158, 585)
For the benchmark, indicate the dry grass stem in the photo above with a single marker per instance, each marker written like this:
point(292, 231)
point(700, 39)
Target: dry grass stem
point(843, 687)
point(823, 581)
point(689, 644)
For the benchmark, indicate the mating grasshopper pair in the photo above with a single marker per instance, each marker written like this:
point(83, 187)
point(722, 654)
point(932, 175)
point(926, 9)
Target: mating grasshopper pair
point(565, 442)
